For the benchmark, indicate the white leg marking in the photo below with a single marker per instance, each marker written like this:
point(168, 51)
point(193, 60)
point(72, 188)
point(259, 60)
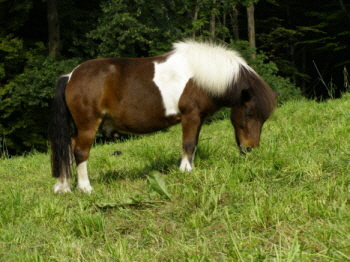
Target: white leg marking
point(62, 185)
point(185, 164)
point(83, 178)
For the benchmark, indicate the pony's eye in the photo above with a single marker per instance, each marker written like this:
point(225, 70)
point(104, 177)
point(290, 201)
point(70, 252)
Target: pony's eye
point(248, 113)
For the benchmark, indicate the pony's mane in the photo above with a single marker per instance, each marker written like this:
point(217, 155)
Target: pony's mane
point(214, 67)
point(222, 72)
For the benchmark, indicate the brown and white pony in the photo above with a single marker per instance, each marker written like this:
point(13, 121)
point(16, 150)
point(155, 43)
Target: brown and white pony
point(143, 95)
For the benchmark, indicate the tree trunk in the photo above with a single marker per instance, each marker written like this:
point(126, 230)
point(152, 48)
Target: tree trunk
point(235, 27)
point(251, 27)
point(224, 26)
point(303, 68)
point(195, 18)
point(343, 7)
point(212, 21)
point(53, 27)
point(292, 52)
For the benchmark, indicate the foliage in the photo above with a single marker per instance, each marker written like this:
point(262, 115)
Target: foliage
point(24, 107)
point(75, 24)
point(134, 28)
point(269, 72)
point(288, 200)
point(13, 57)
point(281, 38)
point(303, 32)
point(14, 14)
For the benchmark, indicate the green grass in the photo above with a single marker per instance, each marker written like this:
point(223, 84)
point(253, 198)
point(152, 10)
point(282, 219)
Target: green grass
point(286, 201)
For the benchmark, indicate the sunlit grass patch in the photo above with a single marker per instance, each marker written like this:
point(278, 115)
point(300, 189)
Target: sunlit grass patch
point(286, 201)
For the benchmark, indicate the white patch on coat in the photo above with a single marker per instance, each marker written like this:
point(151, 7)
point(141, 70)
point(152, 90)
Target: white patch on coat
point(212, 67)
point(171, 78)
point(83, 178)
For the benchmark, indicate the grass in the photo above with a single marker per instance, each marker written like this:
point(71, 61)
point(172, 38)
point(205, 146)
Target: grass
point(286, 201)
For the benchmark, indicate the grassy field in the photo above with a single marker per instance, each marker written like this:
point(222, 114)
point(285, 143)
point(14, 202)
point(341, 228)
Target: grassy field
point(288, 200)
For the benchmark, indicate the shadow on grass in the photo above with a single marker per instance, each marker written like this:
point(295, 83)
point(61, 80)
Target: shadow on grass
point(161, 165)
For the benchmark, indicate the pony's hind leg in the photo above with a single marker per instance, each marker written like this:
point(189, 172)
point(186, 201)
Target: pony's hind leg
point(62, 185)
point(82, 144)
point(63, 181)
point(83, 178)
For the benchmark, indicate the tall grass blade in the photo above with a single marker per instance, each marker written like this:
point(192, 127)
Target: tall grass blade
point(330, 87)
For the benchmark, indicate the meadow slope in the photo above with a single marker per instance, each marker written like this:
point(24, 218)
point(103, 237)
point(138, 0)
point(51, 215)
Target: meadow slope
point(286, 201)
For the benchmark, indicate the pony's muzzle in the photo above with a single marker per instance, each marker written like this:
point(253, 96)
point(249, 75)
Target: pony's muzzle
point(246, 148)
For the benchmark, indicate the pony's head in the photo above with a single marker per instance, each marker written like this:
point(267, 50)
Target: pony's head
point(254, 106)
point(224, 75)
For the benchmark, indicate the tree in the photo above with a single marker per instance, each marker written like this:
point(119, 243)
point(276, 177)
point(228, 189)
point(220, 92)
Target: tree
point(53, 28)
point(344, 8)
point(251, 27)
point(234, 18)
point(296, 33)
point(134, 28)
point(195, 18)
point(212, 20)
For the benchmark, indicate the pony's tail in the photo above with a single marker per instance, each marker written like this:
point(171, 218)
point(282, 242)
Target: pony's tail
point(60, 132)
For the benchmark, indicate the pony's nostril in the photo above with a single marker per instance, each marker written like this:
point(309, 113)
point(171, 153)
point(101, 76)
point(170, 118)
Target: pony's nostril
point(249, 149)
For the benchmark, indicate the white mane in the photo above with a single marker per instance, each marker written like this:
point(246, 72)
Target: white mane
point(214, 67)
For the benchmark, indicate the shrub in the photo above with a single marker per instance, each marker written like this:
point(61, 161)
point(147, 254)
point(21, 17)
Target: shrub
point(24, 103)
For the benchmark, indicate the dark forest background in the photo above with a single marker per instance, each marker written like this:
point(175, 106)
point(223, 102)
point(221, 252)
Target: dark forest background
point(301, 48)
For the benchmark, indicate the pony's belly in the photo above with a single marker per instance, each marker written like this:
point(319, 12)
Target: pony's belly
point(138, 126)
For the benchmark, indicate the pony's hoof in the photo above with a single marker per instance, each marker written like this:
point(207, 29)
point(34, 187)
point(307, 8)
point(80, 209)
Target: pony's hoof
point(85, 189)
point(60, 188)
point(185, 168)
point(185, 165)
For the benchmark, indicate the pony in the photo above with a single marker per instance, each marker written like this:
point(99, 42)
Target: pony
point(143, 95)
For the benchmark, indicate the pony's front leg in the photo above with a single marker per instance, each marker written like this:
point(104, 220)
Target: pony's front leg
point(191, 125)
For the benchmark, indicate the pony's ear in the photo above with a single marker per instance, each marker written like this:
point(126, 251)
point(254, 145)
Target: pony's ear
point(246, 95)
